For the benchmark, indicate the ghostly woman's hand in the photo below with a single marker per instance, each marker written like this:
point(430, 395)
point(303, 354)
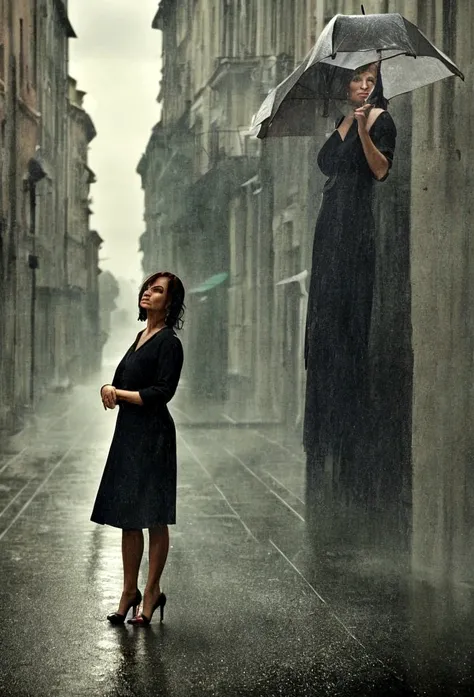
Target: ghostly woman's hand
point(109, 397)
point(361, 115)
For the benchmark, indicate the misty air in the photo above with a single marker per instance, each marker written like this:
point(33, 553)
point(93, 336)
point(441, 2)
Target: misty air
point(236, 348)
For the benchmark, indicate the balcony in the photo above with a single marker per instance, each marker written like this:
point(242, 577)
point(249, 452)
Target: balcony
point(268, 71)
point(215, 146)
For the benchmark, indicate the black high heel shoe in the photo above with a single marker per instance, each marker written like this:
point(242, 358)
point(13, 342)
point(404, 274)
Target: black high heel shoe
point(143, 620)
point(117, 618)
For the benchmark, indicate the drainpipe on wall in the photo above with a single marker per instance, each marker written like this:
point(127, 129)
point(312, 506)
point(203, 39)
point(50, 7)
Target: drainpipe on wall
point(35, 174)
point(11, 144)
point(33, 264)
point(11, 223)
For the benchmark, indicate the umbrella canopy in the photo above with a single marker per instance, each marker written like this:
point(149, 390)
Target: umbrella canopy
point(407, 60)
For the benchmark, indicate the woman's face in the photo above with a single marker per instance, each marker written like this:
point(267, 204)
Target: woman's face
point(361, 86)
point(155, 297)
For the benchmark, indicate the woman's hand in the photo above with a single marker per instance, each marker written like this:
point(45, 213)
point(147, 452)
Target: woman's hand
point(361, 115)
point(109, 397)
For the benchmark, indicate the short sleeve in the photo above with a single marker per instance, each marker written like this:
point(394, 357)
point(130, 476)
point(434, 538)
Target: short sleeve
point(384, 137)
point(167, 374)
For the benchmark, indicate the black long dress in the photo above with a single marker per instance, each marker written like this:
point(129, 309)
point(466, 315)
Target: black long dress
point(337, 410)
point(138, 486)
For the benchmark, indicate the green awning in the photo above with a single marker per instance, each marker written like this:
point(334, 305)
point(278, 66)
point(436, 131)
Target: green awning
point(211, 283)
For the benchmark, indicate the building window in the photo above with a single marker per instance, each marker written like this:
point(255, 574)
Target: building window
point(35, 44)
point(214, 36)
point(330, 11)
point(214, 145)
point(251, 38)
point(2, 62)
point(274, 26)
point(228, 28)
point(22, 54)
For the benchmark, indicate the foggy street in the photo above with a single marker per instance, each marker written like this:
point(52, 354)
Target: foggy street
point(273, 202)
point(250, 611)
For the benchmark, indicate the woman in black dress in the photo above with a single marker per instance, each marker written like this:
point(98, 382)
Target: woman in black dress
point(337, 411)
point(138, 487)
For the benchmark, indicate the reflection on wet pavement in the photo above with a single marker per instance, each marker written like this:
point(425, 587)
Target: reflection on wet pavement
point(255, 606)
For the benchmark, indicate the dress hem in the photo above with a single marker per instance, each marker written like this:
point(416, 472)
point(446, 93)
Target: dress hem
point(132, 527)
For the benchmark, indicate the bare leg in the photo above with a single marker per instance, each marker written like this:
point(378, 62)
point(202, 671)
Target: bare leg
point(132, 552)
point(158, 554)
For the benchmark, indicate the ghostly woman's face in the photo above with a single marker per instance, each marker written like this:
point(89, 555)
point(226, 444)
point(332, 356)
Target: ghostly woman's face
point(362, 85)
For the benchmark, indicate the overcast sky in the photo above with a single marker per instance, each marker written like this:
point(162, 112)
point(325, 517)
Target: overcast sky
point(116, 59)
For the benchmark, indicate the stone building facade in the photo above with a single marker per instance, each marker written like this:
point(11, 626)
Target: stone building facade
point(218, 202)
point(39, 222)
point(442, 281)
point(83, 347)
point(196, 159)
point(19, 132)
point(54, 33)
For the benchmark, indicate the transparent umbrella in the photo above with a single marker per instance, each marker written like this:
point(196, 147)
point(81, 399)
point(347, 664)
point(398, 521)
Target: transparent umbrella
point(318, 86)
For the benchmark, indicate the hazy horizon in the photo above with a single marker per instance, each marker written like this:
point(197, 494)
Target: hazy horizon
point(116, 60)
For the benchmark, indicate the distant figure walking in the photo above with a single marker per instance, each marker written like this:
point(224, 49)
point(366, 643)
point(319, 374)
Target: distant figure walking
point(138, 486)
point(337, 414)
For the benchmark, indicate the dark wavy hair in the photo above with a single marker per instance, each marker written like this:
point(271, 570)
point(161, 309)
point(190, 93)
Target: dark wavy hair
point(174, 317)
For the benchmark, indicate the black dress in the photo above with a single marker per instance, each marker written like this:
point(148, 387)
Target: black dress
point(138, 487)
point(337, 409)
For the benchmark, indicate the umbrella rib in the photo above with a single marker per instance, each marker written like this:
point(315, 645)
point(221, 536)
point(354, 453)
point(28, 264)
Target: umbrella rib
point(308, 89)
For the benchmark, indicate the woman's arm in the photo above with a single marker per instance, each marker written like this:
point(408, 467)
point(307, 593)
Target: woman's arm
point(378, 135)
point(377, 162)
point(128, 396)
point(165, 381)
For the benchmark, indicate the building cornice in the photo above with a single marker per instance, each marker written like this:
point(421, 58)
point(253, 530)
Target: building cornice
point(159, 18)
point(156, 141)
point(91, 173)
point(86, 119)
point(95, 238)
point(142, 165)
point(227, 65)
point(63, 16)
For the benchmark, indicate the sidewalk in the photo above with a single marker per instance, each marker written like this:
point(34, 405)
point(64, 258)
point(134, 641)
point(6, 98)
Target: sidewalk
point(194, 412)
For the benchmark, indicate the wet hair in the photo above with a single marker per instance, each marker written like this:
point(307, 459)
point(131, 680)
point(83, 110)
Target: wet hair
point(376, 97)
point(174, 317)
point(368, 68)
